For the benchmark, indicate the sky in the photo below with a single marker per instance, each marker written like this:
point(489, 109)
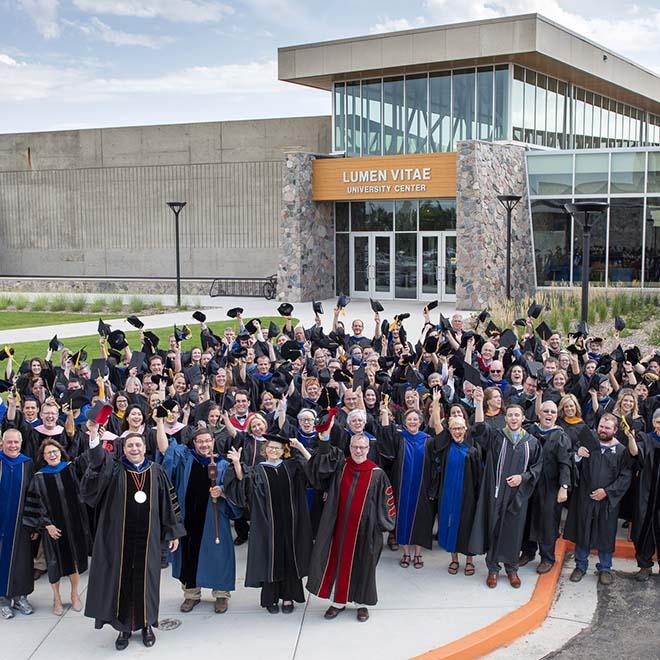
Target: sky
point(67, 64)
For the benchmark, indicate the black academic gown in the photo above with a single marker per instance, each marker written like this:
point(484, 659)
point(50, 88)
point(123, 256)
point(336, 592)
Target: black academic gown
point(358, 509)
point(544, 511)
point(418, 523)
point(646, 514)
point(591, 524)
point(128, 534)
point(16, 577)
point(472, 471)
point(253, 494)
point(499, 520)
point(54, 499)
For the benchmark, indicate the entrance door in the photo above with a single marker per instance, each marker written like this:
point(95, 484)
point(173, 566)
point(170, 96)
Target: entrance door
point(437, 266)
point(372, 263)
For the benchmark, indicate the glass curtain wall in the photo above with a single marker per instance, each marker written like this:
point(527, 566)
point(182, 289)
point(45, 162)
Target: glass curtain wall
point(625, 241)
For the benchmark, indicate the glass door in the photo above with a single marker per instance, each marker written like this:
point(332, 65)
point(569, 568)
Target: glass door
point(448, 279)
point(372, 262)
point(429, 270)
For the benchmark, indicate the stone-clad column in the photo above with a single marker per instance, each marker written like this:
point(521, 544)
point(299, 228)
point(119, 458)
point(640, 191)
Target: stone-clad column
point(485, 170)
point(306, 270)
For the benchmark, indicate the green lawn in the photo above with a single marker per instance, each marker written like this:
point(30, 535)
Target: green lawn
point(91, 342)
point(12, 320)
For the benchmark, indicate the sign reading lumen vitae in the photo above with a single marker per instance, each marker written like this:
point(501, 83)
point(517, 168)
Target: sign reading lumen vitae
point(384, 177)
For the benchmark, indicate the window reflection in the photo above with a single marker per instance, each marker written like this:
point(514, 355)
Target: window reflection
point(501, 102)
point(371, 122)
point(353, 118)
point(628, 173)
point(597, 251)
point(485, 104)
point(625, 253)
point(463, 105)
point(440, 91)
point(416, 113)
point(437, 214)
point(340, 117)
point(552, 242)
point(405, 266)
point(518, 103)
point(405, 215)
point(372, 216)
point(591, 173)
point(341, 263)
point(393, 116)
point(652, 243)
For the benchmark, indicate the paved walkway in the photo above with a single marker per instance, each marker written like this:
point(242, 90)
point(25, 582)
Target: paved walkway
point(417, 610)
point(254, 307)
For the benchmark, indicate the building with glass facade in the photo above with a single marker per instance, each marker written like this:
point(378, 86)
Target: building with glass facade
point(526, 107)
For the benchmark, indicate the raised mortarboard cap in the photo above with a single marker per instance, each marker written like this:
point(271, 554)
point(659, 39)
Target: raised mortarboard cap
point(492, 330)
point(78, 357)
point(619, 323)
point(359, 378)
point(544, 331)
point(238, 354)
point(99, 368)
point(432, 305)
point(384, 327)
point(534, 369)
point(234, 312)
point(151, 339)
point(103, 328)
point(445, 323)
point(181, 334)
point(291, 350)
point(521, 323)
point(193, 374)
point(413, 376)
point(376, 306)
point(227, 402)
point(633, 355)
point(508, 338)
point(99, 413)
point(483, 315)
point(137, 360)
point(135, 322)
point(5, 386)
point(342, 301)
point(576, 349)
point(199, 316)
point(328, 398)
point(596, 380)
point(6, 352)
point(400, 318)
point(285, 309)
point(273, 329)
point(431, 343)
point(75, 399)
point(534, 310)
point(471, 375)
point(324, 376)
point(386, 361)
point(277, 385)
point(317, 307)
point(117, 340)
point(55, 344)
point(342, 376)
point(251, 326)
point(617, 354)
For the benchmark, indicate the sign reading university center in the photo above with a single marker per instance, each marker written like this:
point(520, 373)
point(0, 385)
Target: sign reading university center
point(384, 177)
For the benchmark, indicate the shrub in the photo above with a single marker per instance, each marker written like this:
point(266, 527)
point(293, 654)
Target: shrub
point(116, 305)
point(566, 318)
point(602, 310)
point(591, 314)
point(654, 337)
point(136, 304)
point(98, 305)
point(157, 305)
point(39, 304)
point(78, 303)
point(20, 302)
point(5, 301)
point(58, 303)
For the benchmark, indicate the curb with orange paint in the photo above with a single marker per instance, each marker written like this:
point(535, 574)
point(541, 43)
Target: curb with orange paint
point(522, 620)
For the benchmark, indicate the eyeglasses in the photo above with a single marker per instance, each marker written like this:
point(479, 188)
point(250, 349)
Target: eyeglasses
point(360, 447)
point(496, 371)
point(54, 452)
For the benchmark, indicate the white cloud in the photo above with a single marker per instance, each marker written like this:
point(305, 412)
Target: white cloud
point(44, 15)
point(98, 30)
point(188, 11)
point(8, 61)
point(388, 24)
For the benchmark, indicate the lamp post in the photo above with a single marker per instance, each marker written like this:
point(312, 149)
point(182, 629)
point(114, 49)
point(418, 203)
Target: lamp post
point(588, 210)
point(509, 203)
point(176, 207)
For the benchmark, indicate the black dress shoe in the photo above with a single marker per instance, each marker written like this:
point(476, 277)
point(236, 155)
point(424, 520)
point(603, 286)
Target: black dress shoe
point(239, 540)
point(287, 608)
point(122, 641)
point(273, 609)
point(148, 637)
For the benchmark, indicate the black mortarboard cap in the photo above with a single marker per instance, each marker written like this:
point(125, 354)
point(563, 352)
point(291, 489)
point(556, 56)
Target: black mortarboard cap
point(324, 376)
point(328, 398)
point(471, 375)
point(596, 380)
point(277, 385)
point(618, 354)
point(234, 312)
point(521, 323)
point(551, 394)
point(385, 327)
point(342, 376)
point(238, 353)
point(400, 318)
point(432, 305)
point(273, 329)
point(227, 402)
point(251, 327)
point(326, 342)
point(604, 364)
point(117, 340)
point(103, 328)
point(534, 310)
point(99, 368)
point(79, 356)
point(193, 374)
point(633, 355)
point(343, 300)
point(483, 315)
point(55, 344)
point(199, 316)
point(75, 398)
point(431, 343)
point(413, 376)
point(619, 323)
point(534, 369)
point(135, 322)
point(291, 350)
point(544, 331)
point(285, 309)
point(209, 340)
point(576, 349)
point(317, 307)
point(137, 360)
point(386, 361)
point(596, 340)
point(359, 378)
point(181, 334)
point(508, 338)
point(445, 349)
point(492, 330)
point(376, 306)
point(382, 377)
point(6, 352)
point(445, 323)
point(151, 339)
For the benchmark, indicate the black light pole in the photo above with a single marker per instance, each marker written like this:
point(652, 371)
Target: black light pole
point(176, 207)
point(588, 210)
point(509, 203)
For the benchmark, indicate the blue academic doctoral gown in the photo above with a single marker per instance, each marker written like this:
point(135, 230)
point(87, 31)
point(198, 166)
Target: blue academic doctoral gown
point(216, 568)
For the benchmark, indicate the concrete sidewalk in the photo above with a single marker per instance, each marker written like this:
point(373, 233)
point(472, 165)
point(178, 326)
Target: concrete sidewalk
point(418, 610)
point(254, 307)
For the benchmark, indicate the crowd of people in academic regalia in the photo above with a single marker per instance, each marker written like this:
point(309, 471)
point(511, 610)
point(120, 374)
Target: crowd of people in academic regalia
point(313, 445)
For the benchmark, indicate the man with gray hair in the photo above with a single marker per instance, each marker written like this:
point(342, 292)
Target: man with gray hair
point(16, 578)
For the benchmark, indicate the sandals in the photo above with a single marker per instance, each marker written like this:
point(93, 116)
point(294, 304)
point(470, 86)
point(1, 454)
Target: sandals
point(417, 561)
point(452, 569)
point(404, 562)
point(58, 609)
point(469, 568)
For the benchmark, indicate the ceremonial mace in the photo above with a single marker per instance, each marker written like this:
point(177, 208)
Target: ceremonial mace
point(213, 475)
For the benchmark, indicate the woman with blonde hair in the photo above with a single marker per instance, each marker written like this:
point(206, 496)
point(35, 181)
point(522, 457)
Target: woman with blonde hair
point(569, 417)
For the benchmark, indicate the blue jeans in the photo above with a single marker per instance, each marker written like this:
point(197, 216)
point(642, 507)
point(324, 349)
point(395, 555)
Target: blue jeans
point(582, 560)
